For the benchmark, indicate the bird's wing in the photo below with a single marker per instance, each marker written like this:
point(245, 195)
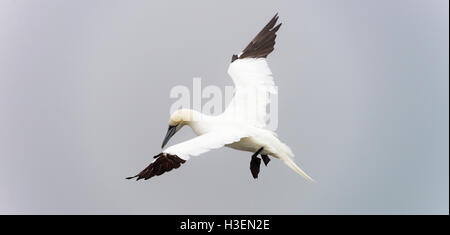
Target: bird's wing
point(206, 142)
point(252, 78)
point(175, 155)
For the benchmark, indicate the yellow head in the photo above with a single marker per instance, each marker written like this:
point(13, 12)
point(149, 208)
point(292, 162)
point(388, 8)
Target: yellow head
point(177, 120)
point(181, 116)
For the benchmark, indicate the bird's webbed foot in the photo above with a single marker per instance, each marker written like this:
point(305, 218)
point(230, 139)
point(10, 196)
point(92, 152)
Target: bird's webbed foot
point(255, 163)
point(265, 159)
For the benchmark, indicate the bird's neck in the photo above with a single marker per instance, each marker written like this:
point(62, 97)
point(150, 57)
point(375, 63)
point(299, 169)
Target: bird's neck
point(190, 116)
point(199, 122)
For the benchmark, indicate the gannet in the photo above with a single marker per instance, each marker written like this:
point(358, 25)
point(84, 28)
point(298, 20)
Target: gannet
point(242, 125)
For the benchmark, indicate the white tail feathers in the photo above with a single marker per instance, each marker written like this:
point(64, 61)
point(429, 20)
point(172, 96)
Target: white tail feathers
point(294, 167)
point(285, 153)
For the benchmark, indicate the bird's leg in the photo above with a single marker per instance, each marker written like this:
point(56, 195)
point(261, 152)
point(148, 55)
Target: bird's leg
point(265, 159)
point(255, 163)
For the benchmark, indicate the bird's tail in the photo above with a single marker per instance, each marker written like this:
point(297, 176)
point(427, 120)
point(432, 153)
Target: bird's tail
point(287, 157)
point(297, 169)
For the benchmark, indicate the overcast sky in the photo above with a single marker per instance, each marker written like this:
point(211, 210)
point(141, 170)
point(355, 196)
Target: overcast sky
point(84, 103)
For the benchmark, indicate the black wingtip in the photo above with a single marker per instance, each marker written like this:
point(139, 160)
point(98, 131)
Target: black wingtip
point(263, 44)
point(276, 28)
point(164, 162)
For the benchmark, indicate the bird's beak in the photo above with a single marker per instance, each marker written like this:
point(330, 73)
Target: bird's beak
point(170, 132)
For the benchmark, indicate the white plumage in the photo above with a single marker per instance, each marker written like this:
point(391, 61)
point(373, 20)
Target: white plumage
point(241, 125)
point(253, 82)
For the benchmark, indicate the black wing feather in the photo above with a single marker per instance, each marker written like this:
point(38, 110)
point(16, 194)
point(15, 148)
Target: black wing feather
point(164, 162)
point(263, 44)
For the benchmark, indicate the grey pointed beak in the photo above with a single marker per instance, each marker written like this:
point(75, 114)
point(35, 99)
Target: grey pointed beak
point(170, 132)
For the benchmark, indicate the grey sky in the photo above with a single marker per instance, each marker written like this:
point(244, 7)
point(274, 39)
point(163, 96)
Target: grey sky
point(84, 103)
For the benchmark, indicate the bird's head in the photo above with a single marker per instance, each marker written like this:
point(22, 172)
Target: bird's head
point(177, 120)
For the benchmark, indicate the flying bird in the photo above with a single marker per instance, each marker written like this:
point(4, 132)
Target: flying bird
point(242, 125)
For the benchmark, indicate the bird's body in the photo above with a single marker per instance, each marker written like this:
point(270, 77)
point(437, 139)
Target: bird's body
point(242, 125)
point(260, 137)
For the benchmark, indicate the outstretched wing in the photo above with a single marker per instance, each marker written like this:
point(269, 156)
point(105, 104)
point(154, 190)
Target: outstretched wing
point(175, 155)
point(252, 78)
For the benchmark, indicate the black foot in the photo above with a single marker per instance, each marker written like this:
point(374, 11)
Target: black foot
point(255, 163)
point(265, 159)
